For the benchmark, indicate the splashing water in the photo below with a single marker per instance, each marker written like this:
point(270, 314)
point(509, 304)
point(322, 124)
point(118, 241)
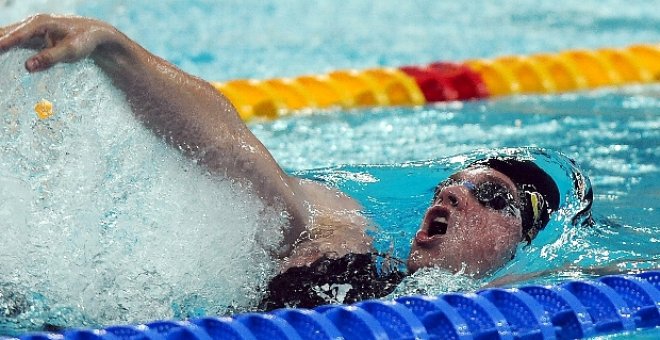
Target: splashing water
point(103, 223)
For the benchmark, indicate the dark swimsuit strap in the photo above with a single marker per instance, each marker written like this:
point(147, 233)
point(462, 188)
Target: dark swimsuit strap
point(348, 279)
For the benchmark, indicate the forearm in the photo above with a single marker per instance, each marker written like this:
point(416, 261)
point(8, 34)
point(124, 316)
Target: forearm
point(185, 111)
point(193, 117)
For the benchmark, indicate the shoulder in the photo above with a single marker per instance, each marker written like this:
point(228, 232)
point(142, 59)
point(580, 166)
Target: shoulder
point(336, 226)
point(322, 196)
point(334, 211)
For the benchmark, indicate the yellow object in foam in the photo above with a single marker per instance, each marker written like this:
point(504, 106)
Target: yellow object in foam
point(43, 109)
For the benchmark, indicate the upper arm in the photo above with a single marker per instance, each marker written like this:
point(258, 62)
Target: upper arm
point(191, 115)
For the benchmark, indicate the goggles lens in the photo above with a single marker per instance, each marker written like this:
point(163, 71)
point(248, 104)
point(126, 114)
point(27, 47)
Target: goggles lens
point(492, 195)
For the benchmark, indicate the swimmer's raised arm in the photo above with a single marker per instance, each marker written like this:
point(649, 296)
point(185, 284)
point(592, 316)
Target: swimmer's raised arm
point(185, 110)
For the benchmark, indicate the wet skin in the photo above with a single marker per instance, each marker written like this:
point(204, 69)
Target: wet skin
point(460, 233)
point(192, 116)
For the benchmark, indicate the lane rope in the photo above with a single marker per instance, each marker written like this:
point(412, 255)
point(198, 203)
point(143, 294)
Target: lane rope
point(569, 310)
point(565, 71)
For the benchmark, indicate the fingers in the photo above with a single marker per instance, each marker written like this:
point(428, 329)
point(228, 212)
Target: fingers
point(36, 32)
point(24, 33)
point(48, 57)
point(59, 39)
point(20, 34)
point(8, 29)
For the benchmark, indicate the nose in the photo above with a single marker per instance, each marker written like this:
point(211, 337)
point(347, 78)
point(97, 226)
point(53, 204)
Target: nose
point(455, 196)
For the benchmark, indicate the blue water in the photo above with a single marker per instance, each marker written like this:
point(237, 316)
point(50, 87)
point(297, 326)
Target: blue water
point(613, 134)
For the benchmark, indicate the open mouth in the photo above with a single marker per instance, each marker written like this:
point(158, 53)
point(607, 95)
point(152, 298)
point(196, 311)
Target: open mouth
point(437, 226)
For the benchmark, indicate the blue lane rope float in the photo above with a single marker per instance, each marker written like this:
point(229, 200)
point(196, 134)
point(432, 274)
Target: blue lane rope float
point(568, 310)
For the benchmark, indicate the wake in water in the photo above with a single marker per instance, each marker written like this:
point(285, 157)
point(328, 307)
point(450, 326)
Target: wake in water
point(103, 223)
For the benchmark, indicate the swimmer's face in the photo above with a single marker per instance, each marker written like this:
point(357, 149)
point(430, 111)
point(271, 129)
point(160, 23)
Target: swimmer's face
point(473, 224)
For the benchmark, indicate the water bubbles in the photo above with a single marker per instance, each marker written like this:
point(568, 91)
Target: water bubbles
point(104, 222)
point(434, 281)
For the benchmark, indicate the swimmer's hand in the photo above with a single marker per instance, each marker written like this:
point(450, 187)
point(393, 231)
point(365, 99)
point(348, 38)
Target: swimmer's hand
point(56, 38)
point(185, 111)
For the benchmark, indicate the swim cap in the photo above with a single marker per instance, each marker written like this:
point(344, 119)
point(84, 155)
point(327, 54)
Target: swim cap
point(538, 191)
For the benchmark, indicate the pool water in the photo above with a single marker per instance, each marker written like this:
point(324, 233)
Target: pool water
point(613, 134)
point(103, 223)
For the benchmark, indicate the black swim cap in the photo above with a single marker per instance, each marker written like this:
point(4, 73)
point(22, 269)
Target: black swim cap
point(538, 191)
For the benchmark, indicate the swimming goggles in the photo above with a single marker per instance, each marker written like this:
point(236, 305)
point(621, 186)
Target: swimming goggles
point(490, 194)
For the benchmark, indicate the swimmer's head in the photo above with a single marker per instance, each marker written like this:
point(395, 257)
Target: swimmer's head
point(479, 215)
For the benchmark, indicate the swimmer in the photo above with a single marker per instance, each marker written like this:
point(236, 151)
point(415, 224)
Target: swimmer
point(474, 224)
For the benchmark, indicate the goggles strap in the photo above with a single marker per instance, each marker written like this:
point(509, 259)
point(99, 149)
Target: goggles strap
point(537, 206)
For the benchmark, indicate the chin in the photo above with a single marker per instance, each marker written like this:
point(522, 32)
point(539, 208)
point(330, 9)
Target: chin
point(415, 262)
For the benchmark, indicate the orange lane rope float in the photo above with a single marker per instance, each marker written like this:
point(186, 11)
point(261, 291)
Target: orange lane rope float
point(445, 81)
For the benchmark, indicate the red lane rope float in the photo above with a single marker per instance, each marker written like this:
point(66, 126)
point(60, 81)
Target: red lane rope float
point(445, 81)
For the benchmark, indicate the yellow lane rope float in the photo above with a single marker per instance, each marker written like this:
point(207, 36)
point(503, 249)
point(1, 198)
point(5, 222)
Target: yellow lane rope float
point(440, 81)
point(445, 81)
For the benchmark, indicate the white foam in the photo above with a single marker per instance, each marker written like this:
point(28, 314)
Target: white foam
point(99, 215)
point(435, 281)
